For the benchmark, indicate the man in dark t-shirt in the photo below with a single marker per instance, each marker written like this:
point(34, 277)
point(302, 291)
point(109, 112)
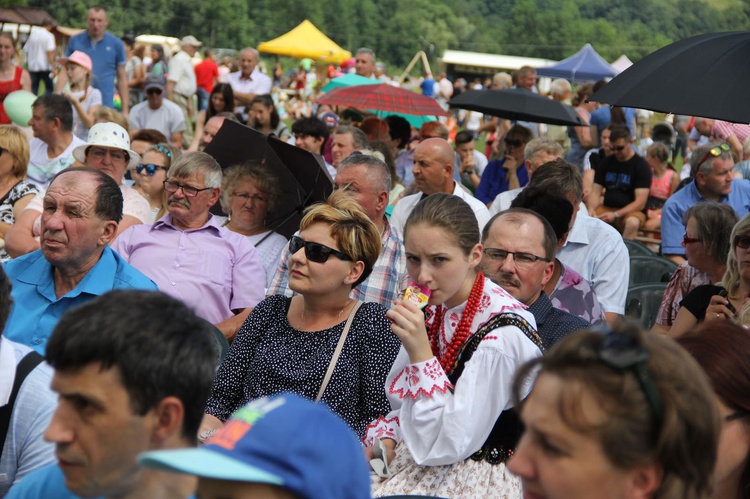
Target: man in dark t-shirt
point(621, 186)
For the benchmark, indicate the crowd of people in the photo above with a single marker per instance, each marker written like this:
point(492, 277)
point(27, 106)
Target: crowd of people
point(447, 323)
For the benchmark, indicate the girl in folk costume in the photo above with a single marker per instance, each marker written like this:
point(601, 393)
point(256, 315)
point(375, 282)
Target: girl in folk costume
point(86, 100)
point(451, 428)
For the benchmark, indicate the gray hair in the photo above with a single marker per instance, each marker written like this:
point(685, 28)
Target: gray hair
point(250, 49)
point(197, 163)
point(264, 178)
point(359, 138)
point(560, 86)
point(714, 224)
point(365, 50)
point(706, 166)
point(542, 145)
point(378, 172)
point(521, 216)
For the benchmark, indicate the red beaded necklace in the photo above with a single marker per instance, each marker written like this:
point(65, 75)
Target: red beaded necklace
point(462, 332)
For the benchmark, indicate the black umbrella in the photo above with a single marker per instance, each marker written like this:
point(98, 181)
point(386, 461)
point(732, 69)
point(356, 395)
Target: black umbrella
point(704, 75)
point(304, 179)
point(517, 104)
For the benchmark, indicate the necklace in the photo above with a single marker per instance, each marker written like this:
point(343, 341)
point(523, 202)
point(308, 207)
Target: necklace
point(462, 332)
point(338, 317)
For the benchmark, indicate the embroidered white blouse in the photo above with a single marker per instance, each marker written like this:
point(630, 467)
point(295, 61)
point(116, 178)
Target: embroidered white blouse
point(441, 426)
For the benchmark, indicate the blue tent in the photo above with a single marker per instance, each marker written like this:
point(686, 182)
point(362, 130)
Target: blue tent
point(585, 65)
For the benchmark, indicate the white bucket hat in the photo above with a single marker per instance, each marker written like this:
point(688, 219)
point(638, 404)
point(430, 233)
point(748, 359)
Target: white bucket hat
point(107, 135)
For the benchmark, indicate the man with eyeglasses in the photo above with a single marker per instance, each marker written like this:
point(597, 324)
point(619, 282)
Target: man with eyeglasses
point(508, 173)
point(519, 254)
point(190, 256)
point(81, 211)
point(621, 186)
point(158, 113)
point(713, 181)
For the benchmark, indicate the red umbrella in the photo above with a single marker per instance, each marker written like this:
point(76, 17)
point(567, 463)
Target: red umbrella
point(383, 98)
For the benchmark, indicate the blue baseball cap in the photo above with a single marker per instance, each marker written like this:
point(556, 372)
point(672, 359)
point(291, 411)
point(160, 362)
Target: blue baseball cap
point(284, 440)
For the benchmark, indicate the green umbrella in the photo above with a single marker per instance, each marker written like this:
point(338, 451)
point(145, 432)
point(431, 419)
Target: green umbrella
point(350, 80)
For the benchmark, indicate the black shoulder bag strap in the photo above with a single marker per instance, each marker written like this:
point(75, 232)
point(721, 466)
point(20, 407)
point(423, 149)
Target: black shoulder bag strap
point(23, 369)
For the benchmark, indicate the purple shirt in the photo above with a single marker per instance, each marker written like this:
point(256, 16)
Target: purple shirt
point(211, 269)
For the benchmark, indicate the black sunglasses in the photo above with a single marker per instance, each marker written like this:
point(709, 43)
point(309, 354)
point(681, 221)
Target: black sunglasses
point(618, 148)
point(150, 169)
point(514, 143)
point(742, 241)
point(152, 91)
point(624, 352)
point(315, 252)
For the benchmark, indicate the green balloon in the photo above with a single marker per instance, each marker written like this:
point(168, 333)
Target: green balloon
point(18, 106)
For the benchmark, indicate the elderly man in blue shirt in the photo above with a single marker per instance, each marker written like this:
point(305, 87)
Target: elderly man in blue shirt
point(82, 209)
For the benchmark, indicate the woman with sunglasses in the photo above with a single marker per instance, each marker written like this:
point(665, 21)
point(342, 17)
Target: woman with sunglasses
point(722, 349)
point(620, 415)
point(15, 191)
point(581, 139)
point(221, 100)
point(707, 243)
point(728, 299)
point(293, 344)
point(451, 429)
point(151, 173)
point(250, 194)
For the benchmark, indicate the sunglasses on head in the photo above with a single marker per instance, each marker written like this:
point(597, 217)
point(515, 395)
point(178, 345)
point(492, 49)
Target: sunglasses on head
point(315, 252)
point(742, 241)
point(623, 352)
point(716, 151)
point(150, 169)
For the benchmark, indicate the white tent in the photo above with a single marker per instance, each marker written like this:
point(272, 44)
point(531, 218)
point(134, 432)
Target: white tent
point(622, 63)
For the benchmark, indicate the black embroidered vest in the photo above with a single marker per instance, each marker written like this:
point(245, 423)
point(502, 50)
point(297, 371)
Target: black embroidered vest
point(507, 430)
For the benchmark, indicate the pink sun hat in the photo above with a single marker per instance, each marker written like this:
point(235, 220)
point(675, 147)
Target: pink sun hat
point(80, 58)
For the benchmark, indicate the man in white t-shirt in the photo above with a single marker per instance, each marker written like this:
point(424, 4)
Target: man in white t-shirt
point(157, 113)
point(51, 149)
point(248, 81)
point(40, 57)
point(433, 173)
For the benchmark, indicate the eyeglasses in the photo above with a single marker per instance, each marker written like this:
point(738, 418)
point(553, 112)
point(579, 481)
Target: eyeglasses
point(100, 153)
point(255, 198)
point(315, 252)
point(150, 169)
point(513, 143)
point(522, 260)
point(624, 352)
point(716, 151)
point(689, 240)
point(154, 91)
point(188, 190)
point(742, 241)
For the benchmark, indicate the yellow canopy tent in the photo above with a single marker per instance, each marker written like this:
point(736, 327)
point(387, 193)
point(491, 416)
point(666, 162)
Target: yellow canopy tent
point(306, 41)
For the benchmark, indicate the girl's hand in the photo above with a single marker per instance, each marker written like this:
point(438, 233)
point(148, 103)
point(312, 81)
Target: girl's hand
point(407, 322)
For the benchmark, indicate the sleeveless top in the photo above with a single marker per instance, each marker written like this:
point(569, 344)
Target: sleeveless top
point(506, 432)
point(659, 191)
point(6, 87)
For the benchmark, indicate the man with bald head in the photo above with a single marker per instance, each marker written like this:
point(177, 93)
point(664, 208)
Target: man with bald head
point(248, 81)
point(212, 127)
point(433, 173)
point(405, 161)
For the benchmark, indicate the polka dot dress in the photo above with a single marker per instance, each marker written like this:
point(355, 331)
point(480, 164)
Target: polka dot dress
point(270, 356)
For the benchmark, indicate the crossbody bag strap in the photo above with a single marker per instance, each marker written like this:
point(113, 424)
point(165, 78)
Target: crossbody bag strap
point(337, 352)
point(23, 369)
